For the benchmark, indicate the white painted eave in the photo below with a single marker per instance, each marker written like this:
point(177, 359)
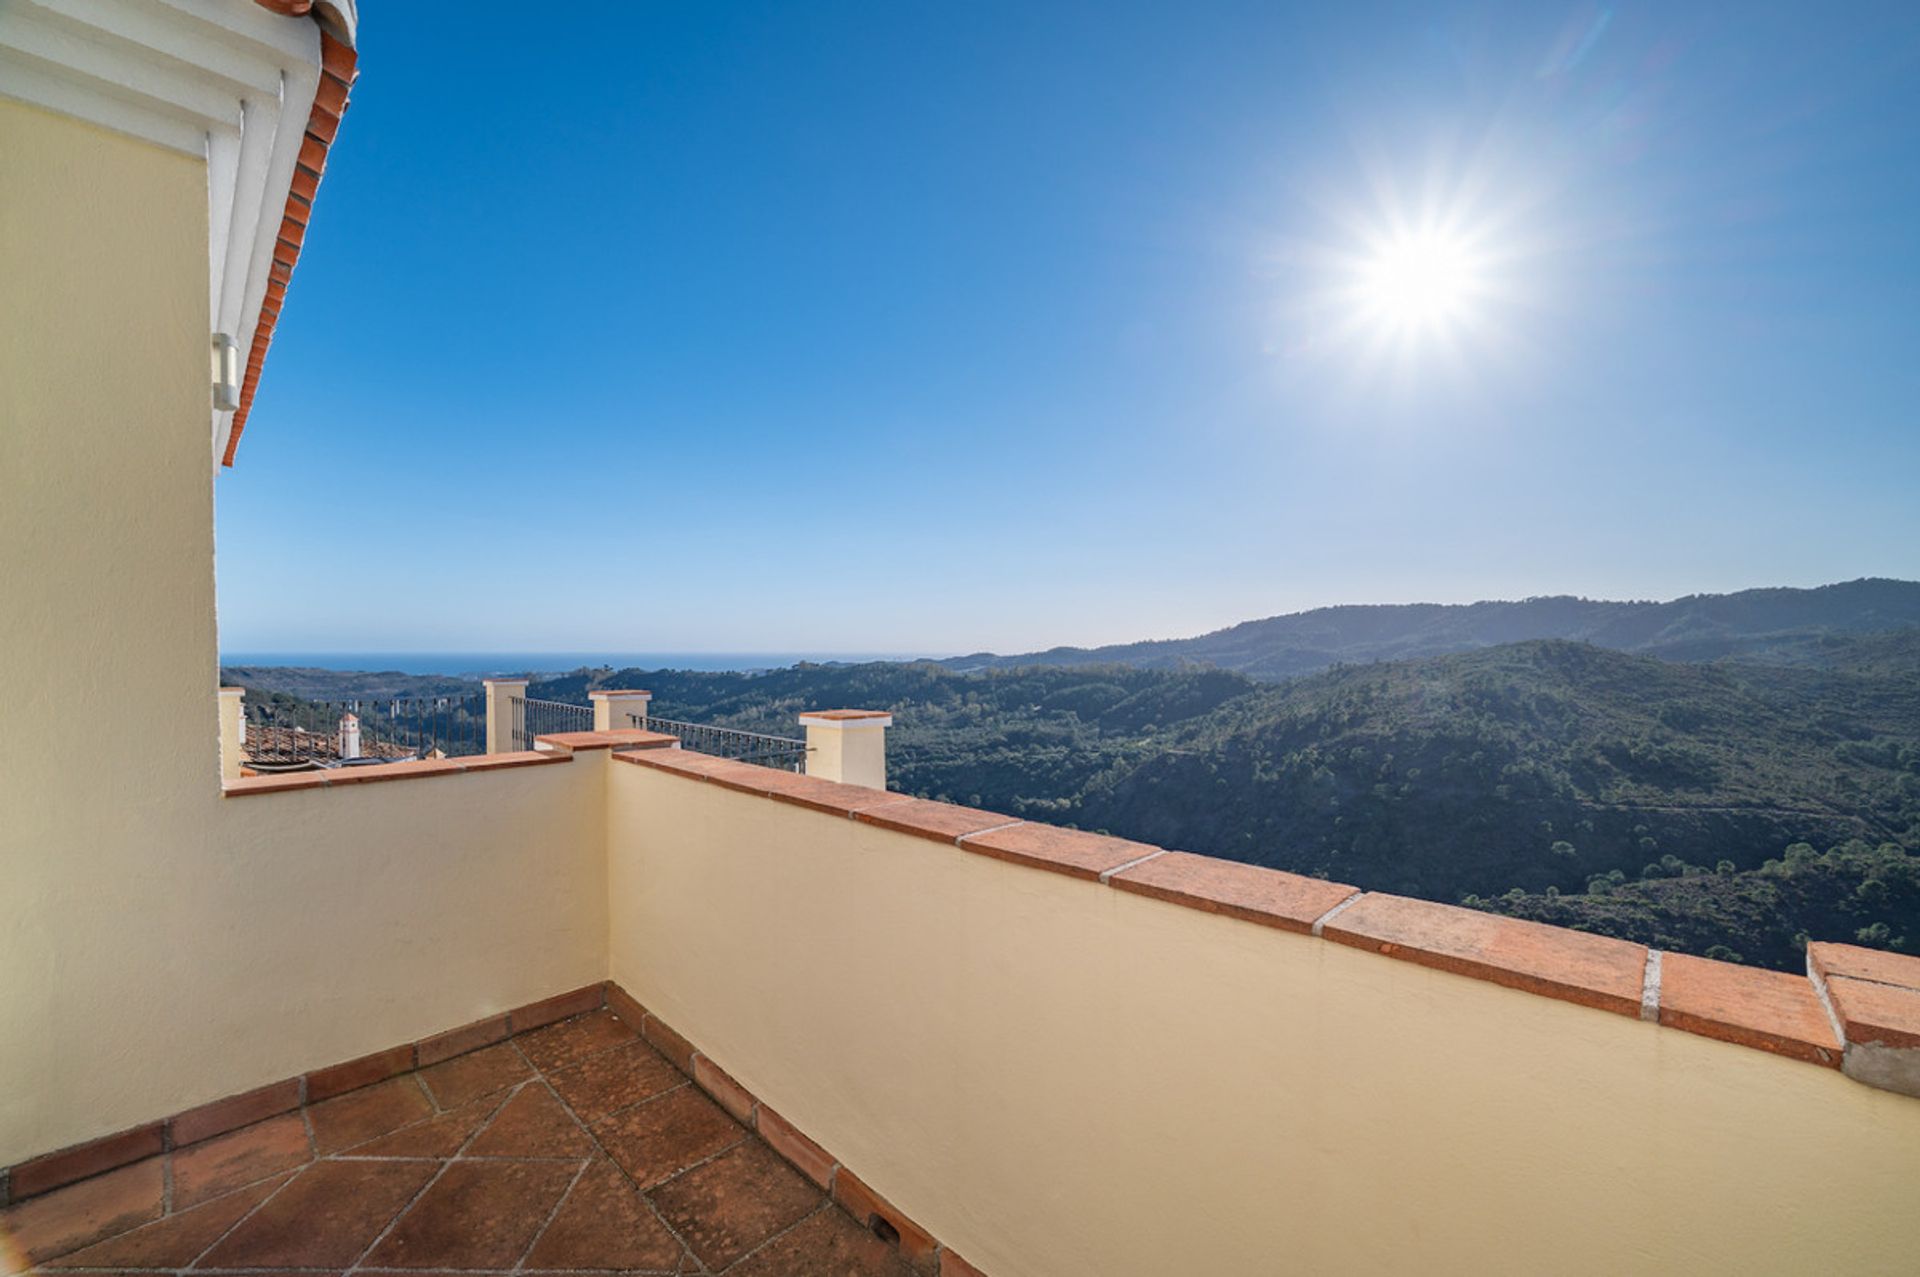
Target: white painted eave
point(226, 81)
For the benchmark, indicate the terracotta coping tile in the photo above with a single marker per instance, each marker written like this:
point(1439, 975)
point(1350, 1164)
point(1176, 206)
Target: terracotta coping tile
point(845, 715)
point(1574, 966)
point(517, 758)
point(1874, 1014)
point(917, 1246)
point(234, 1112)
point(831, 796)
point(1827, 959)
point(412, 769)
point(560, 1006)
point(732, 772)
point(625, 738)
point(1266, 896)
point(942, 822)
point(372, 772)
point(1767, 1010)
point(273, 784)
point(81, 1161)
point(1067, 851)
point(338, 1079)
point(604, 693)
point(468, 1037)
point(685, 761)
point(812, 792)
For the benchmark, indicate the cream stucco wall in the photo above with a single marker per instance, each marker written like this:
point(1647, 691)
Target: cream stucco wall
point(1056, 1078)
point(159, 945)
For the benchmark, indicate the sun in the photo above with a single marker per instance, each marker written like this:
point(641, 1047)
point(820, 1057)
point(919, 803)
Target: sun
point(1414, 280)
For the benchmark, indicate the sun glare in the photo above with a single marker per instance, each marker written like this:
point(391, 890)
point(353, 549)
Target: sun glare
point(1424, 279)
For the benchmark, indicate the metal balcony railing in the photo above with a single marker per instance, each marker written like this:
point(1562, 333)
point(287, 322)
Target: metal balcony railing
point(782, 752)
point(290, 733)
point(535, 717)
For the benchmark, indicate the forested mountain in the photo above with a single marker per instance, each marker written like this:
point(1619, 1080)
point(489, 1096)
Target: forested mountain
point(1699, 627)
point(336, 685)
point(1732, 806)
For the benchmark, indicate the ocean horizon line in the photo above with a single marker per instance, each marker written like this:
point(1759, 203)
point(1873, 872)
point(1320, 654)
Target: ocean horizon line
point(478, 664)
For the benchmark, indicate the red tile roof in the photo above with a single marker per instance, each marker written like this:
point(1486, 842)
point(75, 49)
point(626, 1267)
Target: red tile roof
point(338, 71)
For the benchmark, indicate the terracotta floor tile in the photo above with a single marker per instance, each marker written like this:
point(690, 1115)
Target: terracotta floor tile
point(368, 1113)
point(604, 1223)
point(532, 1124)
point(468, 1077)
point(442, 1136)
point(177, 1240)
point(829, 1244)
point(227, 1162)
point(477, 1215)
point(559, 1045)
point(733, 1203)
point(666, 1135)
point(612, 1080)
point(71, 1217)
point(325, 1218)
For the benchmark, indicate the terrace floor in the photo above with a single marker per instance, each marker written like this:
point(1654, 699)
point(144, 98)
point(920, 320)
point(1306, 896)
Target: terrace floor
point(573, 1146)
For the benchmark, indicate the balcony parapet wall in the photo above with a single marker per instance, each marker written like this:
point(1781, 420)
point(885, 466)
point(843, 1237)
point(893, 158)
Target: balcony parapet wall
point(1748, 1006)
point(1078, 1069)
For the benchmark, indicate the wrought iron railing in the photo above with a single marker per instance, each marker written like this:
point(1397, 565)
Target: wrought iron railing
point(534, 717)
point(290, 733)
point(783, 752)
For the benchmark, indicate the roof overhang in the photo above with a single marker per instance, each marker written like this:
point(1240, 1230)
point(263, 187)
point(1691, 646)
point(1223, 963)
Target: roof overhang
point(253, 87)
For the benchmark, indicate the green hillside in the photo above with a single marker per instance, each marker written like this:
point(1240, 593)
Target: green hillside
point(1536, 765)
point(1699, 627)
point(1675, 803)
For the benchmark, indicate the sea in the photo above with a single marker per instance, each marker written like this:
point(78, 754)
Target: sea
point(484, 664)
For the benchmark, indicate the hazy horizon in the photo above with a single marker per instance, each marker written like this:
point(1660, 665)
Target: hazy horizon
point(547, 661)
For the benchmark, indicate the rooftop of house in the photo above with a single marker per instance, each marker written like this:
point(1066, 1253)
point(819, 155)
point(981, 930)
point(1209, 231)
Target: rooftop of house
point(339, 65)
point(269, 744)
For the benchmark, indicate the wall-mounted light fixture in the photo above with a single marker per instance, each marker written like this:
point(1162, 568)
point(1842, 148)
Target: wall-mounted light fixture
point(226, 373)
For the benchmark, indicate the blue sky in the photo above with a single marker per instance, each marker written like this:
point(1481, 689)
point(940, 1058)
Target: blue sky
point(889, 328)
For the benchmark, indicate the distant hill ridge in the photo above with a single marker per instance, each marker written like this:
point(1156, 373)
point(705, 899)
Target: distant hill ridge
point(1698, 627)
